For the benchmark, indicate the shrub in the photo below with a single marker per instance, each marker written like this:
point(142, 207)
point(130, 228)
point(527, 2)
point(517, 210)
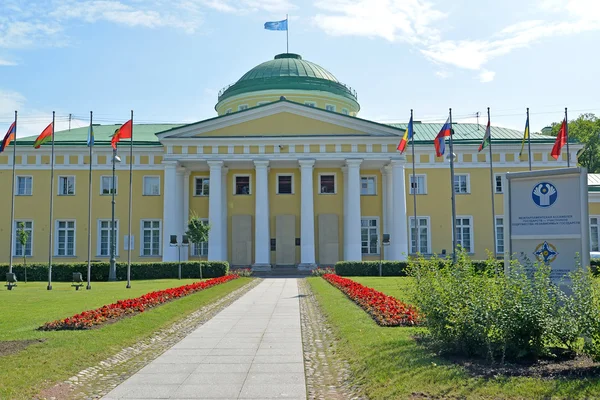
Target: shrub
point(398, 268)
point(496, 315)
point(322, 271)
point(245, 272)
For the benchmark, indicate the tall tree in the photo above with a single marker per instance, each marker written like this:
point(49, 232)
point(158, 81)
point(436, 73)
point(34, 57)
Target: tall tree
point(586, 130)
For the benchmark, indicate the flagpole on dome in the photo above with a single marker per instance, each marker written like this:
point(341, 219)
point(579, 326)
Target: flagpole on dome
point(50, 228)
point(567, 134)
point(12, 203)
point(528, 140)
point(489, 133)
point(287, 34)
point(130, 205)
point(452, 188)
point(414, 186)
point(89, 253)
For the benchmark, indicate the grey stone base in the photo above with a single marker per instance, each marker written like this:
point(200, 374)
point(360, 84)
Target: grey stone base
point(261, 267)
point(307, 267)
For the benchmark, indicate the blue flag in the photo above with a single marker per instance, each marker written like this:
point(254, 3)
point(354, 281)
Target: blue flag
point(90, 141)
point(277, 25)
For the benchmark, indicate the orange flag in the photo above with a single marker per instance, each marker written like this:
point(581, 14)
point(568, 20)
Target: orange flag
point(124, 132)
point(561, 140)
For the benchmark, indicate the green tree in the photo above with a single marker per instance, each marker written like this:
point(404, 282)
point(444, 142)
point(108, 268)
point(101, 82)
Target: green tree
point(197, 233)
point(586, 130)
point(23, 237)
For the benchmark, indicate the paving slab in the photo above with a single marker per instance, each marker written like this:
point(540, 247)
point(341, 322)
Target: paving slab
point(250, 350)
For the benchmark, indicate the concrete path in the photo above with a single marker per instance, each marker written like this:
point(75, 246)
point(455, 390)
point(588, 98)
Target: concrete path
point(250, 350)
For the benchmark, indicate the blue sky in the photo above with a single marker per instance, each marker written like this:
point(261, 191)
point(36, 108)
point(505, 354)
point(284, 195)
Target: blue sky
point(167, 59)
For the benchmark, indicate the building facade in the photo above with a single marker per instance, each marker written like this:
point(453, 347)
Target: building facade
point(285, 174)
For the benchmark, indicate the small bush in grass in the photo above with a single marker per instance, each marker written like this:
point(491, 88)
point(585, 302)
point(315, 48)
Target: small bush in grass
point(486, 313)
point(322, 271)
point(245, 272)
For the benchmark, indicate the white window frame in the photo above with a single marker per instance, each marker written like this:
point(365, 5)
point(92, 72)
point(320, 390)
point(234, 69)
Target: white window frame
point(472, 241)
point(331, 107)
point(60, 186)
point(110, 188)
point(228, 111)
point(235, 176)
point(142, 237)
point(30, 186)
point(335, 182)
point(193, 247)
point(198, 178)
point(292, 183)
point(468, 178)
point(56, 236)
point(310, 103)
point(99, 238)
point(496, 226)
point(345, 111)
point(410, 233)
point(597, 226)
point(242, 107)
point(417, 176)
point(144, 193)
point(262, 103)
point(30, 238)
point(496, 176)
point(378, 229)
point(374, 177)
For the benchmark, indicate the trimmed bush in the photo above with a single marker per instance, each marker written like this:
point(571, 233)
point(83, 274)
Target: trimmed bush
point(63, 272)
point(397, 268)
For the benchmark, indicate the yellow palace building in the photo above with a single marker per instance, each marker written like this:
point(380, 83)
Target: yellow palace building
point(287, 173)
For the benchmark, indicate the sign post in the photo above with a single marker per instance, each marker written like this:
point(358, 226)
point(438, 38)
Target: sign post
point(547, 214)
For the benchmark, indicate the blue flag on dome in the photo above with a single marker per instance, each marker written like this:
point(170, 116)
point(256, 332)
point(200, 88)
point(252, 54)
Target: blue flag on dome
point(277, 25)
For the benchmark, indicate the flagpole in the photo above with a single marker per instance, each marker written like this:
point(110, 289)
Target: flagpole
point(567, 133)
point(492, 186)
point(12, 202)
point(529, 138)
point(130, 204)
point(287, 34)
point(417, 239)
point(50, 228)
point(91, 146)
point(453, 194)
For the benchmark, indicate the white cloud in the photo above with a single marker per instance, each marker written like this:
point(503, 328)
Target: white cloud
point(244, 6)
point(442, 74)
point(6, 63)
point(486, 76)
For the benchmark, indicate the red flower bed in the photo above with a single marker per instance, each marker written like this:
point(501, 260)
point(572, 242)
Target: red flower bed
point(385, 310)
point(88, 319)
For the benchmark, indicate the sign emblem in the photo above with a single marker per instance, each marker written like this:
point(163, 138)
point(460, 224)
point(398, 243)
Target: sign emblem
point(545, 252)
point(544, 194)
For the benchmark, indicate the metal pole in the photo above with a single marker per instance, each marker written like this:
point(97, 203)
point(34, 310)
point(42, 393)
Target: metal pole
point(51, 207)
point(287, 37)
point(417, 239)
point(492, 183)
point(12, 205)
point(528, 139)
point(567, 133)
point(453, 194)
point(89, 270)
point(380, 257)
point(130, 204)
point(179, 258)
point(112, 273)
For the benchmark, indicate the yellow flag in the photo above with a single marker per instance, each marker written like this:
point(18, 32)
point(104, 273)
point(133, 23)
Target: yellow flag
point(525, 136)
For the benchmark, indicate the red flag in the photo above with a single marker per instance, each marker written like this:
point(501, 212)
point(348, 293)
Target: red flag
point(44, 137)
point(561, 140)
point(124, 132)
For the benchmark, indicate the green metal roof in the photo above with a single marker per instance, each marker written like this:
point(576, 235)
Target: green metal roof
point(593, 181)
point(287, 71)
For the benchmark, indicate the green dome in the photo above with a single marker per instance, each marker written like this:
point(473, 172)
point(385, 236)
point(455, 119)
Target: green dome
point(288, 71)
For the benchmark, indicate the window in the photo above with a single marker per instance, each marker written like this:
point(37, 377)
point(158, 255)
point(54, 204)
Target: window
point(498, 184)
point(285, 184)
point(369, 235)
point(329, 107)
point(242, 107)
point(150, 238)
point(66, 185)
point(500, 235)
point(19, 250)
point(464, 233)
point(345, 111)
point(104, 237)
point(151, 186)
point(367, 185)
point(461, 184)
point(228, 111)
point(594, 233)
point(202, 249)
point(310, 103)
point(418, 184)
point(242, 184)
point(106, 184)
point(65, 238)
point(260, 103)
point(423, 235)
point(24, 185)
point(201, 186)
point(327, 183)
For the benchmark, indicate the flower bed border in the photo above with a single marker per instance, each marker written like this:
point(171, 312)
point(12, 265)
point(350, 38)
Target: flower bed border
point(385, 310)
point(129, 307)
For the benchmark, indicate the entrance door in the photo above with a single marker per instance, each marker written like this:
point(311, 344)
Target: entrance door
point(285, 240)
point(241, 240)
point(329, 252)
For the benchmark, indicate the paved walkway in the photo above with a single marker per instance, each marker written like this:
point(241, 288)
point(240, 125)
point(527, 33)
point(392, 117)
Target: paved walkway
point(250, 350)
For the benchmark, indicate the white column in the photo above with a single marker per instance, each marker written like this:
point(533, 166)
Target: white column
point(224, 213)
point(307, 215)
point(345, 222)
point(262, 248)
point(386, 184)
point(215, 218)
point(399, 227)
point(352, 221)
point(185, 251)
point(170, 210)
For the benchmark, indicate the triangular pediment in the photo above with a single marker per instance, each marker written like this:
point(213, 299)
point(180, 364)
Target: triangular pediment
point(281, 119)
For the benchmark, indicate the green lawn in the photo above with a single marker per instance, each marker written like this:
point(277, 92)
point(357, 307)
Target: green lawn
point(388, 364)
point(400, 288)
point(64, 353)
